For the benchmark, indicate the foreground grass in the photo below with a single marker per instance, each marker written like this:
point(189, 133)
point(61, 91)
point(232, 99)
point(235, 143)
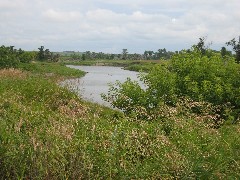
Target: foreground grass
point(47, 132)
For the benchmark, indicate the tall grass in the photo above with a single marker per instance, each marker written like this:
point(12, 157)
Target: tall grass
point(47, 132)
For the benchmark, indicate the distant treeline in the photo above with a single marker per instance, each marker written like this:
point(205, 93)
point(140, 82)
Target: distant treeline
point(159, 54)
point(10, 57)
point(148, 55)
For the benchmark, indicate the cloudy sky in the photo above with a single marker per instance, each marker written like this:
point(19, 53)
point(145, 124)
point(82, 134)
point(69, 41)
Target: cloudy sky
point(111, 25)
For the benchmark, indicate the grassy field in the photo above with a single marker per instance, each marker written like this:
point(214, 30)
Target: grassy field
point(50, 69)
point(48, 132)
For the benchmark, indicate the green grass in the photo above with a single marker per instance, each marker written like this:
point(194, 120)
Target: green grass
point(48, 132)
point(51, 69)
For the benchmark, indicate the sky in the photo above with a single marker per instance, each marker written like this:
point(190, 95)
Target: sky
point(112, 25)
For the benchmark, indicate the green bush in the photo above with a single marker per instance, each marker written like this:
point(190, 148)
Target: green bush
point(8, 57)
point(27, 57)
point(188, 75)
point(213, 79)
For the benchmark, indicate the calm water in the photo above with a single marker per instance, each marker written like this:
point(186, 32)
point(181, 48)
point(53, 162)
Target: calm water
point(96, 81)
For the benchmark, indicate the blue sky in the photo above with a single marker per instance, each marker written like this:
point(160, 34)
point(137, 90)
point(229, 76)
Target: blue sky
point(111, 25)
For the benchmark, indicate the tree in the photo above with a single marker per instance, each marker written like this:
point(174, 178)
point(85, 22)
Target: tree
point(148, 54)
point(41, 54)
point(236, 47)
point(20, 51)
point(76, 56)
point(88, 55)
point(47, 54)
point(223, 51)
point(83, 57)
point(54, 57)
point(162, 53)
point(145, 54)
point(124, 54)
point(201, 47)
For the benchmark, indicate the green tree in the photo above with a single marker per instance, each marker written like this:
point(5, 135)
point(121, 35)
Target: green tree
point(201, 46)
point(76, 56)
point(41, 54)
point(88, 55)
point(54, 57)
point(236, 47)
point(83, 57)
point(148, 55)
point(223, 51)
point(47, 54)
point(162, 53)
point(124, 54)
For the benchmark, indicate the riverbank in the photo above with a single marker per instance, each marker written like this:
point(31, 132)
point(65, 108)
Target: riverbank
point(48, 132)
point(132, 65)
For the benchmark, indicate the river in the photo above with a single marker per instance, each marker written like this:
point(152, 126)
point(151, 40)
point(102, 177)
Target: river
point(96, 81)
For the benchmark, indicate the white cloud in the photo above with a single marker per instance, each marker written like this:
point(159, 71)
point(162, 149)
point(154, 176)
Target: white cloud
point(61, 16)
point(104, 16)
point(101, 25)
point(11, 4)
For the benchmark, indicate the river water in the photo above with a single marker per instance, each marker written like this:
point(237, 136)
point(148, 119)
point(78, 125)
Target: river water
point(96, 81)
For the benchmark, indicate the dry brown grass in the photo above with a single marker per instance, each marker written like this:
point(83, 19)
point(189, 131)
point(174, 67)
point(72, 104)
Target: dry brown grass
point(12, 73)
point(74, 109)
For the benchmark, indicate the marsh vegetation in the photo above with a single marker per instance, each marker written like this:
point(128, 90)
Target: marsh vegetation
point(185, 125)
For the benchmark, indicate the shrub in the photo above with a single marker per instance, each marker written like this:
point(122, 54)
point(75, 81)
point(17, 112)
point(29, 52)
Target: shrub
point(27, 57)
point(8, 57)
point(211, 79)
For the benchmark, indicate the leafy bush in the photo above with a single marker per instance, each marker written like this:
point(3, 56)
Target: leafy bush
point(27, 57)
point(8, 57)
point(211, 79)
point(188, 75)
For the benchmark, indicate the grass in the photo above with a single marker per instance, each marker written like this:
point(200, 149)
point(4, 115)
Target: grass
point(48, 132)
point(50, 69)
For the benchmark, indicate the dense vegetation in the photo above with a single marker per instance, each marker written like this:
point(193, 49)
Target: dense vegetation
point(10, 57)
point(125, 55)
point(211, 84)
point(187, 129)
point(47, 55)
